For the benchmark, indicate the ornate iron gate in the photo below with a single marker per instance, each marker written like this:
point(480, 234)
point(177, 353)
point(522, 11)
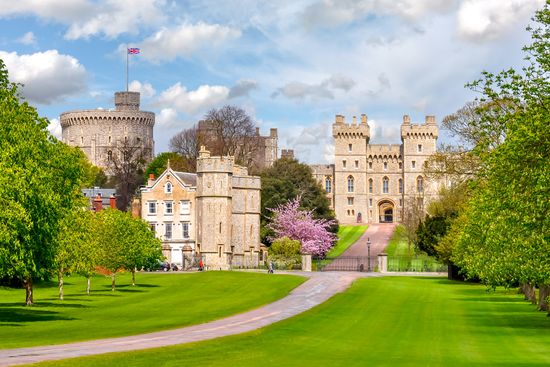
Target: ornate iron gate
point(344, 263)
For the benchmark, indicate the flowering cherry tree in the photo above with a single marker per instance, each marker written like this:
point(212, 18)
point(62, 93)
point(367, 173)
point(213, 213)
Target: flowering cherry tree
point(296, 224)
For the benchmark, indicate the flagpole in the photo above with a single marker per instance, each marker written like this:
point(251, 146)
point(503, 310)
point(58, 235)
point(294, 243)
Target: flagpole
point(126, 68)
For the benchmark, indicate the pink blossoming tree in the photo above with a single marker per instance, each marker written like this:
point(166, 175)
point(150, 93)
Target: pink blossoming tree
point(313, 234)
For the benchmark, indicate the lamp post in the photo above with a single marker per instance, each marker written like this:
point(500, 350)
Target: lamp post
point(368, 253)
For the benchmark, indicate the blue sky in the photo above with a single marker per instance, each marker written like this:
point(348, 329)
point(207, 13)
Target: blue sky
point(290, 64)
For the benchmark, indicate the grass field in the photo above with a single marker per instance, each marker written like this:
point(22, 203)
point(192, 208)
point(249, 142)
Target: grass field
point(347, 236)
point(390, 321)
point(158, 301)
point(398, 246)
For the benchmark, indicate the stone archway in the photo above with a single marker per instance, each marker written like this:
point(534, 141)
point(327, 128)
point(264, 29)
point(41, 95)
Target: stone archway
point(386, 211)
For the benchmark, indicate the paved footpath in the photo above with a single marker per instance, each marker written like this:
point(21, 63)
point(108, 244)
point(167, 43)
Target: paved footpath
point(379, 235)
point(317, 289)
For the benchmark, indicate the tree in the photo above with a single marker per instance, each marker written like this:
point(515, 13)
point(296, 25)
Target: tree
point(187, 143)
point(126, 243)
point(127, 166)
point(286, 180)
point(160, 163)
point(506, 230)
point(40, 181)
point(227, 131)
point(72, 251)
point(314, 234)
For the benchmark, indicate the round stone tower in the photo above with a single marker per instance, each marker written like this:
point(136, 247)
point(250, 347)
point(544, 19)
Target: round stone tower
point(104, 135)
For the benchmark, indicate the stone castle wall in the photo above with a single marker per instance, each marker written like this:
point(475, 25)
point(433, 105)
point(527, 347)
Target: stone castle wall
point(374, 183)
point(102, 133)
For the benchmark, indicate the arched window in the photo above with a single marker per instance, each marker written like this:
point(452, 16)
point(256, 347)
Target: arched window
point(419, 184)
point(385, 185)
point(370, 185)
point(350, 183)
point(328, 185)
point(400, 186)
point(109, 155)
point(168, 188)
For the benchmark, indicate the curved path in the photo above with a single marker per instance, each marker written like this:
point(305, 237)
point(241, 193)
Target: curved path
point(317, 289)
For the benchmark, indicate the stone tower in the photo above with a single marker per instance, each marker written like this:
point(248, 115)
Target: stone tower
point(350, 166)
point(103, 133)
point(419, 143)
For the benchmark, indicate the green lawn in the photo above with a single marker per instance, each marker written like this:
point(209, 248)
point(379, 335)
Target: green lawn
point(158, 301)
point(398, 246)
point(401, 257)
point(390, 321)
point(347, 236)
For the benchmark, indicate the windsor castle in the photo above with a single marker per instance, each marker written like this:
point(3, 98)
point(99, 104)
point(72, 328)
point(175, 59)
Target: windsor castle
point(378, 183)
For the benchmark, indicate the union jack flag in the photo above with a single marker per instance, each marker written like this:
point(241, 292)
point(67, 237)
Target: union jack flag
point(133, 50)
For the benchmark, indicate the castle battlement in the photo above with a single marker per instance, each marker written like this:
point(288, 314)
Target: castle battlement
point(429, 129)
point(353, 130)
point(383, 151)
point(206, 163)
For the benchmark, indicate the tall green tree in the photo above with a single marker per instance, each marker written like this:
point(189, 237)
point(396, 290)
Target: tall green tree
point(287, 179)
point(506, 234)
point(160, 163)
point(40, 181)
point(126, 243)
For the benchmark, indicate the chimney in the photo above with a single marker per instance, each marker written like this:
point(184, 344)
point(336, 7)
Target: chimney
point(97, 204)
point(273, 132)
point(151, 180)
point(339, 119)
point(363, 119)
point(354, 121)
point(112, 201)
point(406, 120)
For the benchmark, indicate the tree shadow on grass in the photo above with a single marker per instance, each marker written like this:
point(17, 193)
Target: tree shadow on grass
point(21, 315)
point(41, 304)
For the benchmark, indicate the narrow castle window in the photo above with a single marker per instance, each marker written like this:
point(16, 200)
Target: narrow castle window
point(328, 185)
point(370, 185)
point(109, 140)
point(385, 185)
point(419, 148)
point(370, 204)
point(81, 140)
point(344, 163)
point(350, 201)
point(350, 183)
point(350, 147)
point(400, 165)
point(400, 186)
point(413, 163)
point(385, 166)
point(220, 227)
point(109, 156)
point(356, 164)
point(370, 165)
point(419, 184)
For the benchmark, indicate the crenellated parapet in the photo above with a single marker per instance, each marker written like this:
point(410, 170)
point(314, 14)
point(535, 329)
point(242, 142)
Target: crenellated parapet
point(427, 130)
point(102, 117)
point(384, 151)
point(354, 130)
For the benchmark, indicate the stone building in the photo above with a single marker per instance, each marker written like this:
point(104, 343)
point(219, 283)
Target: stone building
point(214, 213)
point(376, 183)
point(101, 134)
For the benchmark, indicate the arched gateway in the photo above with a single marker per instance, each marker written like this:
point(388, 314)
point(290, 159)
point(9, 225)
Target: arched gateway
point(385, 211)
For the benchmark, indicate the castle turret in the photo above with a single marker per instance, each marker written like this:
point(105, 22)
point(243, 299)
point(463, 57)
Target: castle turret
point(103, 134)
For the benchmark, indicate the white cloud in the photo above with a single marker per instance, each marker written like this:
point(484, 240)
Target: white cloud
point(55, 128)
point(145, 89)
point(481, 20)
point(168, 117)
point(27, 39)
point(47, 76)
point(323, 90)
point(331, 13)
point(86, 18)
point(191, 102)
point(186, 39)
point(242, 88)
